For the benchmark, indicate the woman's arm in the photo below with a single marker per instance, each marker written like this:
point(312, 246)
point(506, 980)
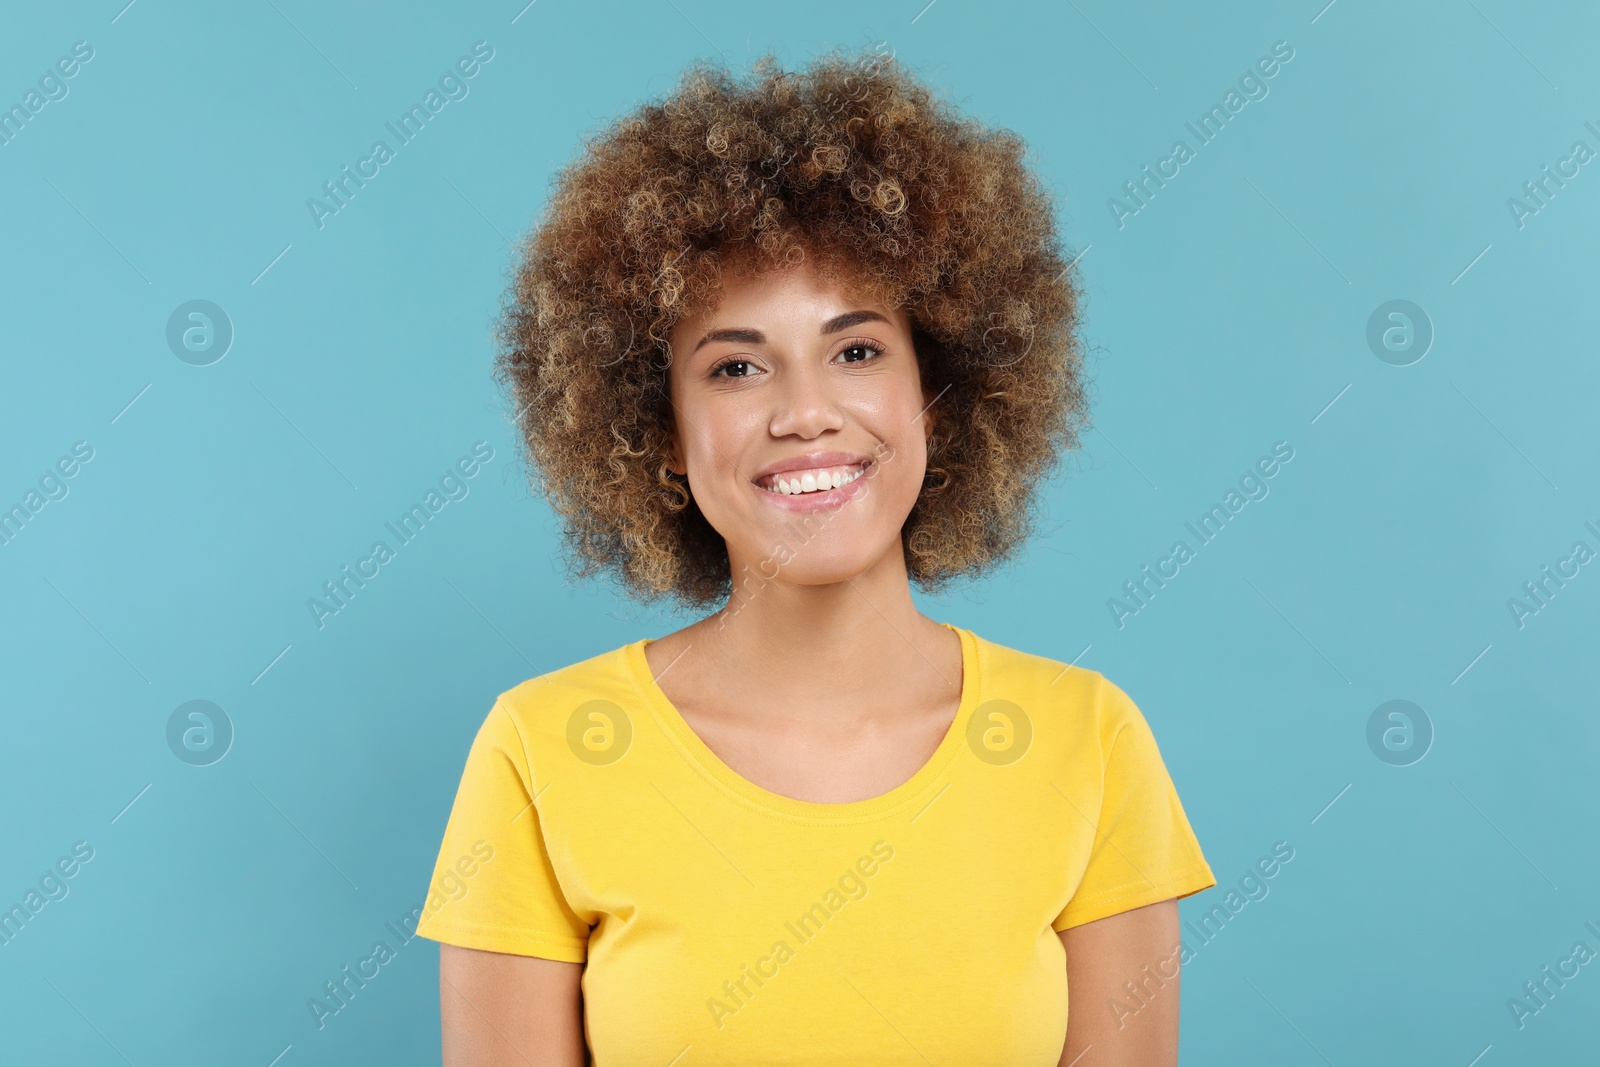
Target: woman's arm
point(500, 1010)
point(1116, 1026)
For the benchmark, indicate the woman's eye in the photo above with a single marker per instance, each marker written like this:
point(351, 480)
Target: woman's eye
point(867, 352)
point(717, 372)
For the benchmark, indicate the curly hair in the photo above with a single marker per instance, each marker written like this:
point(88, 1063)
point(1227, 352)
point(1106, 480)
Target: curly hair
point(855, 164)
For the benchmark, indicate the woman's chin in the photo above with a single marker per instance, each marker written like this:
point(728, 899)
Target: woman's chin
point(810, 564)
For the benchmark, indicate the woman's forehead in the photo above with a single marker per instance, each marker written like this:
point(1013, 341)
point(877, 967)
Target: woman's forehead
point(743, 292)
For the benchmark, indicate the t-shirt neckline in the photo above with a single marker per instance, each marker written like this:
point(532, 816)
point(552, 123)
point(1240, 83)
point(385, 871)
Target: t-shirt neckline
point(700, 754)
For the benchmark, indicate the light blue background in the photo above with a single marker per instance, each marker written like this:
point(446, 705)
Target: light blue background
point(1227, 315)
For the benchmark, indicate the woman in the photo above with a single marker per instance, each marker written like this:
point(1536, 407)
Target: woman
point(785, 347)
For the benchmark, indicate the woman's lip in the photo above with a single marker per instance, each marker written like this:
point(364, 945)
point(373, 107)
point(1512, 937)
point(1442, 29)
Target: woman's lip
point(815, 501)
point(814, 461)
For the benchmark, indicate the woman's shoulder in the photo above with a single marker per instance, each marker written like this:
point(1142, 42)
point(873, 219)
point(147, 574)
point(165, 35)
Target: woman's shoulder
point(1060, 690)
point(549, 699)
point(1007, 666)
point(1053, 684)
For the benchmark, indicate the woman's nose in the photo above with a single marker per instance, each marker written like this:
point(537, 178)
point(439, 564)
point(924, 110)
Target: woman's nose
point(805, 403)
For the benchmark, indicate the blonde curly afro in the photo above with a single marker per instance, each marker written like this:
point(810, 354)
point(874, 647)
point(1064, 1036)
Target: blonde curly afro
point(853, 163)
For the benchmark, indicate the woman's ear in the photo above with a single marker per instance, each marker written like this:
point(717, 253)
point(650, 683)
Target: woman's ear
point(675, 462)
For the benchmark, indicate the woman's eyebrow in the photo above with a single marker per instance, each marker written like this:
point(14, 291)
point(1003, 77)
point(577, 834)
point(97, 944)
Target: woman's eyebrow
point(840, 323)
point(744, 335)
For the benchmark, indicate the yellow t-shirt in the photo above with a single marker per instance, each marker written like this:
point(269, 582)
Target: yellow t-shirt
point(721, 923)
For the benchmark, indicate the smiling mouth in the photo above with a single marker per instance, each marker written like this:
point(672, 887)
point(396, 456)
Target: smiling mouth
point(818, 480)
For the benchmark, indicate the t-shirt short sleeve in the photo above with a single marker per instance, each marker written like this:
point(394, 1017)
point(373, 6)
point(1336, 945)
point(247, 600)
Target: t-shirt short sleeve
point(493, 884)
point(1144, 850)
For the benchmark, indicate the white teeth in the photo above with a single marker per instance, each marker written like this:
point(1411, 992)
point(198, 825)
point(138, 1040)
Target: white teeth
point(815, 481)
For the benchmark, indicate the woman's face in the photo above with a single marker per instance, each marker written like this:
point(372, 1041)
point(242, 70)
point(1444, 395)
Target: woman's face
point(790, 378)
